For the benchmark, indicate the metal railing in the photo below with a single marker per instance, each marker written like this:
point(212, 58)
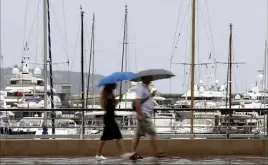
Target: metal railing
point(169, 123)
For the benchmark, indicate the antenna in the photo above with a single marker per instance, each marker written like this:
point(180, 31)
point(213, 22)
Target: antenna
point(26, 47)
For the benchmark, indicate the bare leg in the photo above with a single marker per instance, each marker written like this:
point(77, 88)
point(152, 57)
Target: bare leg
point(154, 144)
point(100, 149)
point(135, 143)
point(119, 143)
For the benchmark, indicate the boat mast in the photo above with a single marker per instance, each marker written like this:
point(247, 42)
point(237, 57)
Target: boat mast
point(266, 76)
point(193, 65)
point(50, 71)
point(90, 57)
point(45, 22)
point(264, 80)
point(93, 73)
point(1, 57)
point(230, 68)
point(82, 69)
point(266, 56)
point(126, 54)
point(124, 48)
point(229, 82)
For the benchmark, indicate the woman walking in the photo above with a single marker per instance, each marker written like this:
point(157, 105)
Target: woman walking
point(111, 130)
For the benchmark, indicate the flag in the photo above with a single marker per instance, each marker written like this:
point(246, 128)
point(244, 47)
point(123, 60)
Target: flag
point(209, 56)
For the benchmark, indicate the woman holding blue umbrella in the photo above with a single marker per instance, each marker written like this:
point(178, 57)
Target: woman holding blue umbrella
point(108, 102)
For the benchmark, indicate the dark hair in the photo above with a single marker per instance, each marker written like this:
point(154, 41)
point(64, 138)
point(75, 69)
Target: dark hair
point(107, 92)
point(146, 79)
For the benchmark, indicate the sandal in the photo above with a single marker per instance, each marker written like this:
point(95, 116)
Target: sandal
point(135, 157)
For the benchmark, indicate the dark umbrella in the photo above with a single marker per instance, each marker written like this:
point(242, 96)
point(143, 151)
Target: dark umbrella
point(156, 74)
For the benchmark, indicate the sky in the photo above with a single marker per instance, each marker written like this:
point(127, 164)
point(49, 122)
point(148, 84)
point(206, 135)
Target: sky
point(151, 31)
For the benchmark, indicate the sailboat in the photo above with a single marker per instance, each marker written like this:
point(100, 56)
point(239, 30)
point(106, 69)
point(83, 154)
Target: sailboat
point(45, 122)
point(203, 124)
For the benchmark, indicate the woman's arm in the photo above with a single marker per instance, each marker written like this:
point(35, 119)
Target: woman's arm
point(111, 96)
point(119, 100)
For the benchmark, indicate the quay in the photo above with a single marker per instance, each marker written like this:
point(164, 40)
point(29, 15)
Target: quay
point(174, 147)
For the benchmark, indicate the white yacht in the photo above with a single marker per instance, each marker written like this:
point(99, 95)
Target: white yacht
point(201, 126)
point(165, 122)
point(257, 92)
point(205, 96)
point(26, 89)
point(63, 127)
point(131, 94)
point(3, 104)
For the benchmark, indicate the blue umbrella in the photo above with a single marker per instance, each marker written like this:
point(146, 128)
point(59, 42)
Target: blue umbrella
point(116, 77)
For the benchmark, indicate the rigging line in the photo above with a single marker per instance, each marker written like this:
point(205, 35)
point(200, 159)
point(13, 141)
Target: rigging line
point(87, 62)
point(233, 59)
point(57, 25)
point(37, 37)
point(185, 56)
point(175, 35)
point(25, 25)
point(65, 27)
point(212, 42)
point(176, 43)
point(35, 16)
point(89, 37)
point(181, 27)
point(209, 22)
point(92, 56)
point(206, 30)
point(91, 53)
point(66, 39)
point(75, 47)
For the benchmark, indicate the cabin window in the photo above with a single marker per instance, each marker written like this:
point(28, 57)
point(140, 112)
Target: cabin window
point(11, 93)
point(13, 82)
point(40, 82)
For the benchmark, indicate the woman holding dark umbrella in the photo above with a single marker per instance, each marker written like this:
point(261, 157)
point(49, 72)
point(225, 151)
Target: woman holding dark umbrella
point(111, 130)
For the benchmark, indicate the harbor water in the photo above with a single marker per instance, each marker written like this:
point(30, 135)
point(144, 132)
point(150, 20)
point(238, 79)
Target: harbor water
point(175, 160)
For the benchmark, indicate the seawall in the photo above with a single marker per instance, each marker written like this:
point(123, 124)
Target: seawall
point(73, 148)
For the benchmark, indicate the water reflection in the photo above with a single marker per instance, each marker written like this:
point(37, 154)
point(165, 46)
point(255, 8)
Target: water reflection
point(174, 160)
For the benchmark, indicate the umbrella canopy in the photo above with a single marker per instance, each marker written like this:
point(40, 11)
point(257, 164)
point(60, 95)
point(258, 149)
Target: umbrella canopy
point(116, 77)
point(157, 74)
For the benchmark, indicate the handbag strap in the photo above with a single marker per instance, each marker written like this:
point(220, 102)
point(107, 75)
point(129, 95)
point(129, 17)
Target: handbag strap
point(145, 99)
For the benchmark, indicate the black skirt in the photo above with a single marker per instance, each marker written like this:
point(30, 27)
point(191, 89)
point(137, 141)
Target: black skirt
point(111, 130)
